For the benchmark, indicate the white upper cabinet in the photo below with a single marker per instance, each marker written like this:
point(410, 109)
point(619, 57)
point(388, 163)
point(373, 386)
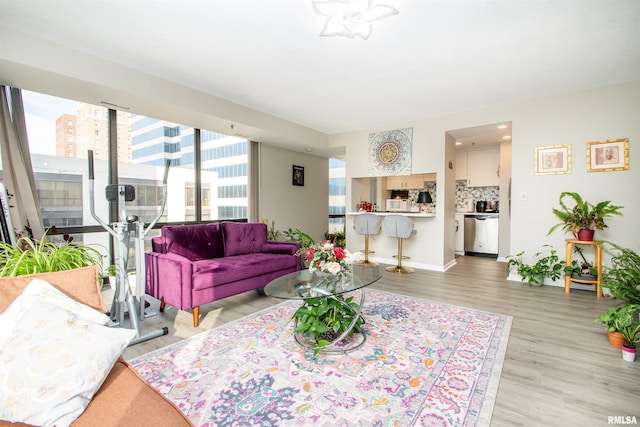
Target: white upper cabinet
point(483, 168)
point(461, 165)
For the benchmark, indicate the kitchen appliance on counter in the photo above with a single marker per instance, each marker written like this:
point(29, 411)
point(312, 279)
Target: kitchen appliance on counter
point(481, 206)
point(481, 235)
point(398, 205)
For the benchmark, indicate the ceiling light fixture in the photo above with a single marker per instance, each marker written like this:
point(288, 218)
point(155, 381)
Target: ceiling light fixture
point(502, 127)
point(506, 137)
point(350, 18)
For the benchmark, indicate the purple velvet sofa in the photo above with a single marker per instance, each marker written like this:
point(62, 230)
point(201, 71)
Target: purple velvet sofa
point(192, 265)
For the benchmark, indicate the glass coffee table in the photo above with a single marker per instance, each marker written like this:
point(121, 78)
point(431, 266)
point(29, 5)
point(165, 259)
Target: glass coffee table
point(303, 285)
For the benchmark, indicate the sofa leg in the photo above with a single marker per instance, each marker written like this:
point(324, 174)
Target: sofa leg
point(162, 304)
point(196, 316)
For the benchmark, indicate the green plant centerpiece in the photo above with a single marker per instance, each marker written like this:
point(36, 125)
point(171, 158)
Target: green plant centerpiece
point(582, 215)
point(41, 256)
point(547, 265)
point(328, 316)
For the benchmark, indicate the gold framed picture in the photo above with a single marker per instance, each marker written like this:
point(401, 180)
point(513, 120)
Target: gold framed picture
point(553, 160)
point(608, 155)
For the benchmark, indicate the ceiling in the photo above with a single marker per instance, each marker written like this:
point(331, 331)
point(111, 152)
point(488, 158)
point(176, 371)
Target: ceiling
point(433, 58)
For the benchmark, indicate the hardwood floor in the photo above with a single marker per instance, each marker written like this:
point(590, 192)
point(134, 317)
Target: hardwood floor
point(559, 368)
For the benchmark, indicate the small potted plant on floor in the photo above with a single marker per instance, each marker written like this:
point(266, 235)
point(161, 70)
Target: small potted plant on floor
point(582, 218)
point(611, 323)
point(547, 265)
point(625, 321)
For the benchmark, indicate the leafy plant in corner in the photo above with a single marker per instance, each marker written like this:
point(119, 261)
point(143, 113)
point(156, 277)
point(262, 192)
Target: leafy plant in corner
point(582, 215)
point(338, 238)
point(547, 265)
point(272, 232)
point(322, 320)
point(623, 277)
point(303, 239)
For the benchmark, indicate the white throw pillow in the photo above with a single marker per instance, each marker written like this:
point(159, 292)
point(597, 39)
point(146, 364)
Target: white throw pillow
point(53, 362)
point(39, 289)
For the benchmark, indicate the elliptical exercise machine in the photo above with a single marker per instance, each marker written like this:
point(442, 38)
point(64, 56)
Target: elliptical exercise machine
point(123, 298)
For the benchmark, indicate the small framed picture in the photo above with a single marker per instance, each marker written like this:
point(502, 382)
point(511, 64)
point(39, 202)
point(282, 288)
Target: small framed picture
point(608, 155)
point(298, 175)
point(553, 160)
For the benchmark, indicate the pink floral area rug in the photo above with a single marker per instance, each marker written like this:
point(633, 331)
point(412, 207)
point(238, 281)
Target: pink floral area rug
point(423, 364)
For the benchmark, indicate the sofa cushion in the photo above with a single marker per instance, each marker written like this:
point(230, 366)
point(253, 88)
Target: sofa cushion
point(194, 242)
point(209, 273)
point(53, 362)
point(243, 238)
point(81, 284)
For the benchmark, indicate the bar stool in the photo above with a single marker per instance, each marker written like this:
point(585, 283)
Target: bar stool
point(399, 227)
point(367, 224)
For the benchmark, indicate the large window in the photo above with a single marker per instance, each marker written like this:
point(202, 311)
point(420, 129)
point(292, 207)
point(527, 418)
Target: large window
point(61, 132)
point(337, 194)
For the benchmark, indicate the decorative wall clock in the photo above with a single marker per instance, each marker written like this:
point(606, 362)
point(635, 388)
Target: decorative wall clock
point(390, 152)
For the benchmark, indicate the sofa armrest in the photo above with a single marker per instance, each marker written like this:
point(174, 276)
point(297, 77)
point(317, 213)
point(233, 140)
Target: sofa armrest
point(277, 247)
point(169, 279)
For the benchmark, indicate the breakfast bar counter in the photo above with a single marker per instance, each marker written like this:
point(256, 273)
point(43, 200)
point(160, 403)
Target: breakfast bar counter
point(419, 248)
point(384, 213)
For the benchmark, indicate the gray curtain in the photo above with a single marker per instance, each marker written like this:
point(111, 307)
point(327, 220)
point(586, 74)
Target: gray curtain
point(253, 214)
point(16, 164)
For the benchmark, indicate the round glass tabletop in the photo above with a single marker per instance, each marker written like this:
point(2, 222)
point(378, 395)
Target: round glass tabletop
point(304, 285)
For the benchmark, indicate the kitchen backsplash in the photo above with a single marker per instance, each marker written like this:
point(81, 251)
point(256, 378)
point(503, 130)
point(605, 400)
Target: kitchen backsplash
point(464, 193)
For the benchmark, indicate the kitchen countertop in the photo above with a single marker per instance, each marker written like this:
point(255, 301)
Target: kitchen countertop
point(410, 214)
point(478, 213)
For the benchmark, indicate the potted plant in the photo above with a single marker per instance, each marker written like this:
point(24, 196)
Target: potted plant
point(547, 265)
point(631, 334)
point(41, 256)
point(622, 279)
point(583, 217)
point(581, 270)
point(609, 320)
point(323, 320)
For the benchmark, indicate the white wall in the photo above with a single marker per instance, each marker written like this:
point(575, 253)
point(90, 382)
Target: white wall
point(575, 119)
point(290, 206)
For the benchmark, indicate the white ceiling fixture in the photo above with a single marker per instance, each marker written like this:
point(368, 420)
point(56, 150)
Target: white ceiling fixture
point(351, 18)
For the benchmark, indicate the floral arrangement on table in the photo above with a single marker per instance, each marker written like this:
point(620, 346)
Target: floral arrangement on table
point(327, 257)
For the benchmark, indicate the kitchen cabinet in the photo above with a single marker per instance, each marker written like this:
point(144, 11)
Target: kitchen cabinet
point(461, 165)
point(405, 182)
point(483, 168)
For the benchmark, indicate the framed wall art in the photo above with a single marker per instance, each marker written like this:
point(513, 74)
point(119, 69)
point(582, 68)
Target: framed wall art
point(553, 160)
point(390, 152)
point(608, 155)
point(298, 175)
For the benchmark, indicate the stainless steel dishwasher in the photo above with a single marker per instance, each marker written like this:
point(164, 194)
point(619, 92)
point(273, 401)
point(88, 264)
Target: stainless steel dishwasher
point(481, 235)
